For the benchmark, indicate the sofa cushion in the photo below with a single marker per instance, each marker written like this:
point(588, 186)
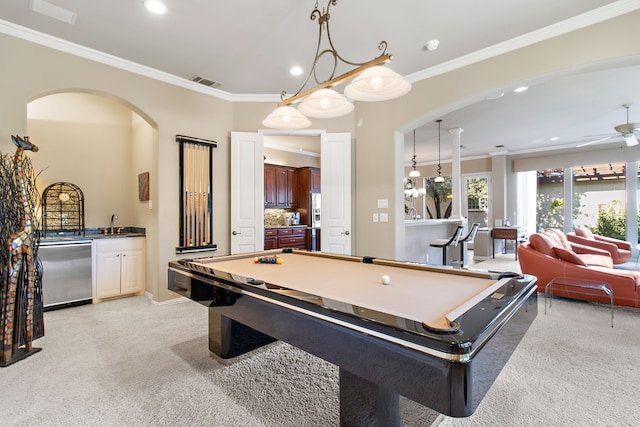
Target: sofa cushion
point(559, 238)
point(593, 259)
point(569, 256)
point(543, 244)
point(583, 232)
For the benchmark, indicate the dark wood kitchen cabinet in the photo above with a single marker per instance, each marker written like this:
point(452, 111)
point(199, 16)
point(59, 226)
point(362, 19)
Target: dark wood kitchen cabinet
point(270, 238)
point(308, 183)
point(269, 186)
point(314, 180)
point(294, 238)
point(285, 237)
point(280, 186)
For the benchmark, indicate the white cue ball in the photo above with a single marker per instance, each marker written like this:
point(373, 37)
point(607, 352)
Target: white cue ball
point(385, 279)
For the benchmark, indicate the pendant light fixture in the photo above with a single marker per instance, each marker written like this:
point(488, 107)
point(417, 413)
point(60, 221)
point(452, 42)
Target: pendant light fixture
point(371, 82)
point(439, 178)
point(414, 173)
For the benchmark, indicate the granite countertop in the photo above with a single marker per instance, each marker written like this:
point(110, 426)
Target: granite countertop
point(91, 234)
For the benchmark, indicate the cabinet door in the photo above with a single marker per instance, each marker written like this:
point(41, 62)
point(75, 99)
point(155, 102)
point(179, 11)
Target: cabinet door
point(282, 196)
point(132, 272)
point(315, 180)
point(269, 186)
point(270, 243)
point(292, 185)
point(108, 274)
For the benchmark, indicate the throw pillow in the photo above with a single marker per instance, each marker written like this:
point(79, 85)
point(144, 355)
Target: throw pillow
point(583, 232)
point(542, 243)
point(569, 256)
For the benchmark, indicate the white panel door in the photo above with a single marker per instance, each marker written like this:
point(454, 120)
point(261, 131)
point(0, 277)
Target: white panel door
point(247, 192)
point(336, 193)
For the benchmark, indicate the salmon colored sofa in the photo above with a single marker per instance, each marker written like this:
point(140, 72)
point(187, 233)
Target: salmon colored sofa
point(547, 256)
point(619, 249)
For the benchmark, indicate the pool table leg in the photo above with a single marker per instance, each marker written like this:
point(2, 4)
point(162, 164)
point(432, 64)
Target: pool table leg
point(363, 403)
point(228, 338)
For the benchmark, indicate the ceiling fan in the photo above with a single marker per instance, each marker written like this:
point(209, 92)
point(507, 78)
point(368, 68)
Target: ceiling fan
point(628, 131)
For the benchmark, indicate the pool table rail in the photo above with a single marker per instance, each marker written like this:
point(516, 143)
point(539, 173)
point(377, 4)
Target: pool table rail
point(213, 287)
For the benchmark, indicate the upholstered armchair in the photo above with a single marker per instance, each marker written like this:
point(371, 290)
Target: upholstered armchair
point(620, 250)
point(588, 254)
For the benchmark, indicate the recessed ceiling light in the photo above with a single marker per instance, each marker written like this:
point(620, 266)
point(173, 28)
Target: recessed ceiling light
point(521, 89)
point(554, 138)
point(296, 71)
point(155, 6)
point(432, 45)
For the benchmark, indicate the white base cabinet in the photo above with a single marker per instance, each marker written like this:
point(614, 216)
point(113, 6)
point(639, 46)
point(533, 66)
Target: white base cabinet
point(118, 267)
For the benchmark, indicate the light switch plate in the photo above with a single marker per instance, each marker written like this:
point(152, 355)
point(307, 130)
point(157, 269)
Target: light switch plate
point(384, 217)
point(383, 203)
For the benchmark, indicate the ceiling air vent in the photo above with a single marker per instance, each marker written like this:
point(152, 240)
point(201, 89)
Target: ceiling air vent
point(205, 81)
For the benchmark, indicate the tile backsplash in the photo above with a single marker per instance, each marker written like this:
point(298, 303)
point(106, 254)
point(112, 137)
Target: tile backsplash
point(274, 217)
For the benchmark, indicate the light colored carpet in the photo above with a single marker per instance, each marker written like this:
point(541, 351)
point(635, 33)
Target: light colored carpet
point(128, 362)
point(501, 263)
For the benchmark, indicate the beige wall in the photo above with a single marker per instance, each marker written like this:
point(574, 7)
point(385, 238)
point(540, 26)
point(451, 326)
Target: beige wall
point(173, 110)
point(290, 158)
point(31, 71)
point(86, 140)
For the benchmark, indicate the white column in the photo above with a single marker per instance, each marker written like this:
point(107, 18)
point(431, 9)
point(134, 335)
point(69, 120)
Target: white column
point(631, 183)
point(456, 174)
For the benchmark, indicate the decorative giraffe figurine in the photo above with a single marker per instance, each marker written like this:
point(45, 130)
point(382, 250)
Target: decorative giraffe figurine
point(20, 246)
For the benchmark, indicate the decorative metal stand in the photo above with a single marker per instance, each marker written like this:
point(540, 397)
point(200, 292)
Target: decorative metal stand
point(21, 313)
point(62, 208)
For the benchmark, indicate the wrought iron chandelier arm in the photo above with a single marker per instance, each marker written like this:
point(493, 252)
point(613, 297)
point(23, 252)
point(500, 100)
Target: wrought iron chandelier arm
point(370, 83)
point(329, 83)
point(323, 19)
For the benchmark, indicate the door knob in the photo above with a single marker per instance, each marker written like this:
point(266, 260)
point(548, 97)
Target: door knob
point(346, 233)
point(236, 233)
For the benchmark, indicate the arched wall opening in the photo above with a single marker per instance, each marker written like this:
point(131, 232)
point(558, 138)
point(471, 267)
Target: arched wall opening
point(100, 143)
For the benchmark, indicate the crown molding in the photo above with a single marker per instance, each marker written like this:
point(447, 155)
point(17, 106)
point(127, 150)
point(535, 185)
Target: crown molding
point(589, 18)
point(56, 43)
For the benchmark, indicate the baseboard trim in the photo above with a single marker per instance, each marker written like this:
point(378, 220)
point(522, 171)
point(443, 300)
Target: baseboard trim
point(177, 300)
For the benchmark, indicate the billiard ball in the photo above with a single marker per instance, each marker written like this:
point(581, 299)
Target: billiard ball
point(385, 279)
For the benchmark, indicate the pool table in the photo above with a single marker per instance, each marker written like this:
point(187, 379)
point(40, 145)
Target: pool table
point(438, 336)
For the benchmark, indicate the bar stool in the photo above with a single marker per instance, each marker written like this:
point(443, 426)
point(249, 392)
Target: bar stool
point(445, 243)
point(466, 239)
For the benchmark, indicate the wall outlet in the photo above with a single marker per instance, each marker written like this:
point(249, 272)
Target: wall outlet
point(375, 217)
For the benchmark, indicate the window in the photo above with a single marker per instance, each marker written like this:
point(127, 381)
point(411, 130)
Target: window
point(196, 182)
point(597, 199)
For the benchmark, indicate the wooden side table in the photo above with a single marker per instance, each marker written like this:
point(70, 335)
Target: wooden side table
point(506, 233)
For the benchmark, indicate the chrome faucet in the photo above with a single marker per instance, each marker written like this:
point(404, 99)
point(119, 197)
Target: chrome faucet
point(413, 213)
point(113, 218)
